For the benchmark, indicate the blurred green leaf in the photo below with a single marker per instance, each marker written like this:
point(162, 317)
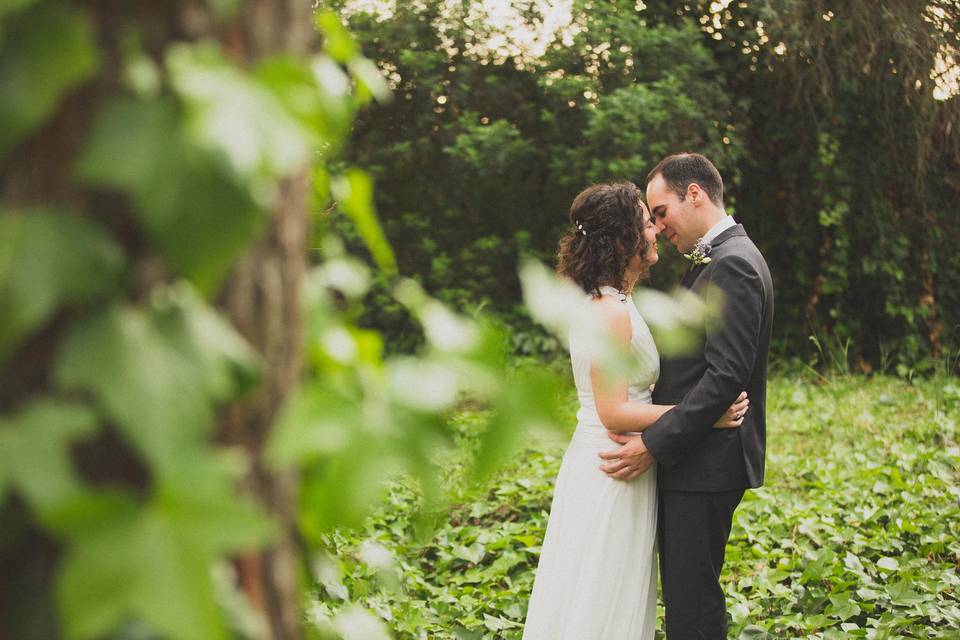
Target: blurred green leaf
point(529, 400)
point(140, 73)
point(370, 78)
point(679, 320)
point(44, 52)
point(154, 563)
point(841, 607)
point(349, 276)
point(446, 330)
point(35, 448)
point(337, 103)
point(48, 259)
point(424, 384)
point(356, 623)
point(8, 7)
point(315, 422)
point(340, 491)
point(354, 192)
point(564, 309)
point(225, 9)
point(343, 459)
point(295, 86)
point(192, 205)
point(158, 372)
point(231, 112)
point(337, 41)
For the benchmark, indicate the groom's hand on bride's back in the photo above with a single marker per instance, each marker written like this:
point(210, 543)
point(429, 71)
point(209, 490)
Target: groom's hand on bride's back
point(629, 461)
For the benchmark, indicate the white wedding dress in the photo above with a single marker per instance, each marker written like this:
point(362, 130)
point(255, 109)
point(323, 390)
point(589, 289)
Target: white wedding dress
point(596, 579)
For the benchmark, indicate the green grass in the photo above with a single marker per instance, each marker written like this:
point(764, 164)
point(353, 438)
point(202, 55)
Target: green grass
point(855, 534)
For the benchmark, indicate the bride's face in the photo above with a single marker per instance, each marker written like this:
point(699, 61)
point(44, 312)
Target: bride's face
point(640, 262)
point(649, 231)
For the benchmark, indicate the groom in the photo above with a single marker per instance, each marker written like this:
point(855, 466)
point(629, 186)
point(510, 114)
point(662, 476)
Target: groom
point(703, 472)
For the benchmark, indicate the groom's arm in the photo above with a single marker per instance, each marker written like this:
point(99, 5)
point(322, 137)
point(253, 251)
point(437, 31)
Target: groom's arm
point(730, 353)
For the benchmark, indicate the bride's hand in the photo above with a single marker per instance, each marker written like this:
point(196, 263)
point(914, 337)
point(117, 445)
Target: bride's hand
point(733, 417)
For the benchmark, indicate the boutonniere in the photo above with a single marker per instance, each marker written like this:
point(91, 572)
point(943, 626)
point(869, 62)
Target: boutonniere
point(700, 254)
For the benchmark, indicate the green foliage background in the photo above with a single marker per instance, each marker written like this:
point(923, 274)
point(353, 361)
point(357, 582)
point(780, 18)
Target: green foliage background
point(836, 155)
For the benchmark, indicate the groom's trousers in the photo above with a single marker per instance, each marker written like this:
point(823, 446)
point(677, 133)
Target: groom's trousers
point(692, 539)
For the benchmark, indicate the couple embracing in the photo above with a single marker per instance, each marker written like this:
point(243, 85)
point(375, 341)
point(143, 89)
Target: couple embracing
point(658, 473)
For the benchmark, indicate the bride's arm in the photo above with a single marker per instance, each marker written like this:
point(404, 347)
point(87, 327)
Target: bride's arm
point(616, 411)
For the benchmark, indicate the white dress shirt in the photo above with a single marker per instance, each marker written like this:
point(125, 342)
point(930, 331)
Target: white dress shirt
point(725, 223)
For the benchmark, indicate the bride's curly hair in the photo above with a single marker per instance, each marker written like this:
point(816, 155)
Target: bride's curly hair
point(607, 232)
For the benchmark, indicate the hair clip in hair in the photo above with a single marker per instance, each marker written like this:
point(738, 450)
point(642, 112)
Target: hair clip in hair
point(580, 227)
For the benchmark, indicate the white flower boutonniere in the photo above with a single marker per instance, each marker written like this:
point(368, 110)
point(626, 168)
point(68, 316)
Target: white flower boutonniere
point(700, 254)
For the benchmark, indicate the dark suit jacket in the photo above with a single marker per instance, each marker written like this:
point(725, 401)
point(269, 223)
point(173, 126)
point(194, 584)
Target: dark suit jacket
point(691, 455)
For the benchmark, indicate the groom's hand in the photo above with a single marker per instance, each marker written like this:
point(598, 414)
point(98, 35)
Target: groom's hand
point(629, 461)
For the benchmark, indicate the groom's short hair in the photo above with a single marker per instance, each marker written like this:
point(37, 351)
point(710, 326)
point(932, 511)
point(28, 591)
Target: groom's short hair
point(682, 169)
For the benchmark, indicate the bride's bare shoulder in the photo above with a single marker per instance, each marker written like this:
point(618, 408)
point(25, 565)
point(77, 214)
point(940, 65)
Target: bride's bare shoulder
point(613, 312)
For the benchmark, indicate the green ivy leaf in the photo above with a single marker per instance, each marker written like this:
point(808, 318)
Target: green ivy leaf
point(158, 372)
point(354, 191)
point(45, 51)
point(47, 260)
point(192, 205)
point(154, 562)
point(499, 623)
point(901, 594)
point(34, 452)
point(841, 607)
point(474, 553)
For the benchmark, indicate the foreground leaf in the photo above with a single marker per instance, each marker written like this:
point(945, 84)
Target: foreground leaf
point(153, 563)
point(193, 207)
point(34, 452)
point(44, 52)
point(158, 373)
point(354, 192)
point(231, 112)
point(48, 259)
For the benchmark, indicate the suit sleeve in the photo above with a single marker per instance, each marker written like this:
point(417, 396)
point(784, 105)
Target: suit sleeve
point(730, 353)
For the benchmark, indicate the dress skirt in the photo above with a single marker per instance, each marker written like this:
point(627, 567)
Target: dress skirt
point(596, 579)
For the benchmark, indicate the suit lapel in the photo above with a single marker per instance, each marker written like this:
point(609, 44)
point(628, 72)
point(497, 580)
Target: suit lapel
point(735, 230)
point(691, 275)
point(694, 270)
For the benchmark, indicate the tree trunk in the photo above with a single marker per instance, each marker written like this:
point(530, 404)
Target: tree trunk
point(262, 299)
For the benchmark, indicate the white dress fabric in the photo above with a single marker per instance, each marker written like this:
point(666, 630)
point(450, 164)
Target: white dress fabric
point(597, 579)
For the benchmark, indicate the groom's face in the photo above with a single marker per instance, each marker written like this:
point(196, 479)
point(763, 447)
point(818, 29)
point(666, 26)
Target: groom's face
point(671, 214)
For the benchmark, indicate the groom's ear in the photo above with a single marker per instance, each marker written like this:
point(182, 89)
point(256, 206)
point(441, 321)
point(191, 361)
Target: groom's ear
point(694, 193)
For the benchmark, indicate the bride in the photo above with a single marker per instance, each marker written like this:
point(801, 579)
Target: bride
point(596, 578)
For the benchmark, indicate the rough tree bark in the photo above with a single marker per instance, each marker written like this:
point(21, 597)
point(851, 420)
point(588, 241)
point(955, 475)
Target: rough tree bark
point(262, 299)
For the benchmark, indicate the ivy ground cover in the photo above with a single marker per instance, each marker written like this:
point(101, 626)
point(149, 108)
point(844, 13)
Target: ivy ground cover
point(856, 533)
